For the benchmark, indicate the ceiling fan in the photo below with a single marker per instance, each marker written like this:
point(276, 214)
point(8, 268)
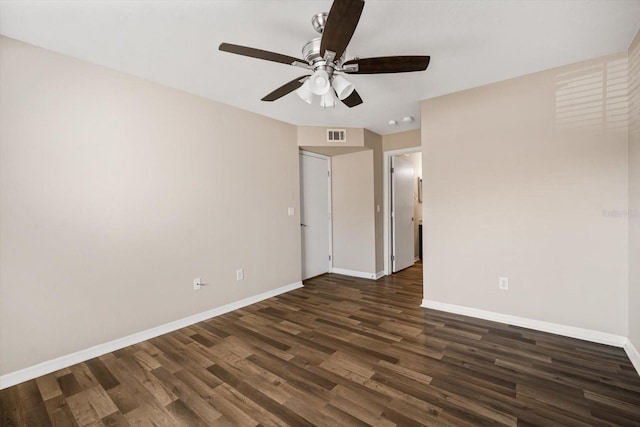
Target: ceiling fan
point(324, 57)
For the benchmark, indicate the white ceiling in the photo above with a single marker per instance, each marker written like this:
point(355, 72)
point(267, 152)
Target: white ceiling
point(471, 43)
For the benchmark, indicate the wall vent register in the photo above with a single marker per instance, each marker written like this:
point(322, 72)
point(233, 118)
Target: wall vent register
point(336, 135)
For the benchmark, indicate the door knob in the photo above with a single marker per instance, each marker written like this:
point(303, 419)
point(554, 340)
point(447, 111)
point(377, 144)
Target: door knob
point(303, 225)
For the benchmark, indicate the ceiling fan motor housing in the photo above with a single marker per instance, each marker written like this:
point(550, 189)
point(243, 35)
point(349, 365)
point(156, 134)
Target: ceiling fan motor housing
point(311, 51)
point(311, 54)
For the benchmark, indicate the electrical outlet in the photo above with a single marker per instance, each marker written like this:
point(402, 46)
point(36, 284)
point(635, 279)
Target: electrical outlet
point(197, 284)
point(239, 274)
point(503, 283)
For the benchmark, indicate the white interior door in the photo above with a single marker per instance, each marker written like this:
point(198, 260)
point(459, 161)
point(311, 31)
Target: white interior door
point(315, 215)
point(402, 178)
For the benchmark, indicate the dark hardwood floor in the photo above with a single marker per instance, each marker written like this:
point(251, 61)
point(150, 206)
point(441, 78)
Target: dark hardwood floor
point(340, 351)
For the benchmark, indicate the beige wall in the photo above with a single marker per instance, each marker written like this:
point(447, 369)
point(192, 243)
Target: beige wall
point(401, 140)
point(116, 193)
point(374, 141)
point(515, 185)
point(634, 192)
point(353, 219)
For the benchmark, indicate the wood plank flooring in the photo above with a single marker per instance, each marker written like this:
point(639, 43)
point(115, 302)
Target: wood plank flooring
point(339, 352)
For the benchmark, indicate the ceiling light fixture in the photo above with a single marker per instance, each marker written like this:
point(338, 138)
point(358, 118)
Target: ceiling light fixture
point(343, 87)
point(304, 92)
point(408, 119)
point(392, 122)
point(328, 100)
point(320, 82)
point(328, 87)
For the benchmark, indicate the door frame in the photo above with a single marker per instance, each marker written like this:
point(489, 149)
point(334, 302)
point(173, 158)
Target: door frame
point(386, 185)
point(302, 152)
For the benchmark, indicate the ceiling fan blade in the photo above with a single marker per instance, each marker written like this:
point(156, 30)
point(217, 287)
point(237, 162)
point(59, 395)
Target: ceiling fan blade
point(259, 54)
point(341, 24)
point(285, 89)
point(388, 64)
point(352, 100)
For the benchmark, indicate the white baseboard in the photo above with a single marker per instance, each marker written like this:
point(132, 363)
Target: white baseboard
point(633, 354)
point(35, 371)
point(353, 273)
point(380, 274)
point(539, 325)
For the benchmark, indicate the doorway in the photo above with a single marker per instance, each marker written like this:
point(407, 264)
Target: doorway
point(315, 214)
point(402, 208)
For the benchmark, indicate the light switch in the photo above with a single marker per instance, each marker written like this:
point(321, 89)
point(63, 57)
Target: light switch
point(292, 211)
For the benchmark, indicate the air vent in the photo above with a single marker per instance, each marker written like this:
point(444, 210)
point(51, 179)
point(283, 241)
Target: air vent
point(336, 135)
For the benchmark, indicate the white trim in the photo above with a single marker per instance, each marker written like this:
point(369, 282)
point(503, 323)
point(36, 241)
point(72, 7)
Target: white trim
point(35, 371)
point(386, 171)
point(633, 354)
point(330, 213)
point(312, 154)
point(353, 273)
point(380, 274)
point(539, 325)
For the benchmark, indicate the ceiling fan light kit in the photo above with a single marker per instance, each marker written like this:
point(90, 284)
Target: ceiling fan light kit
point(328, 100)
point(328, 88)
point(320, 83)
point(325, 57)
point(342, 86)
point(304, 92)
